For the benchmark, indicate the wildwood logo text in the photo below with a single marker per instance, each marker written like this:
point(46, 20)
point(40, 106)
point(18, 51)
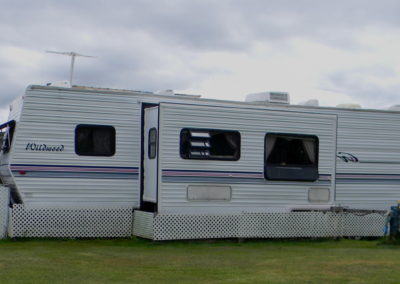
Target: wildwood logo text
point(44, 147)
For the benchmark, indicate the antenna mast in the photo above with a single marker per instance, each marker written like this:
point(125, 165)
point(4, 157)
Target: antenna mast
point(73, 55)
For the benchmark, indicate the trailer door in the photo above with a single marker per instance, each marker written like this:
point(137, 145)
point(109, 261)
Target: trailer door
point(150, 151)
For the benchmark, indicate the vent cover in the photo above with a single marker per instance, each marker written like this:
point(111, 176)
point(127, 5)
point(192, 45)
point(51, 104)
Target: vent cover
point(269, 98)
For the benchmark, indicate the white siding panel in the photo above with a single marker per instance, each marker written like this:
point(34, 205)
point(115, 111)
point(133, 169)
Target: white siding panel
point(51, 118)
point(258, 195)
point(75, 192)
point(373, 137)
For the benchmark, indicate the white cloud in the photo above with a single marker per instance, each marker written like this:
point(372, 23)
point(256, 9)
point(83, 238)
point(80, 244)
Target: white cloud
point(307, 69)
point(295, 68)
point(337, 52)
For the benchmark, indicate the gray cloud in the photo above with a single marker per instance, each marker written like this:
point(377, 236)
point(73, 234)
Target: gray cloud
point(146, 45)
point(197, 24)
point(364, 85)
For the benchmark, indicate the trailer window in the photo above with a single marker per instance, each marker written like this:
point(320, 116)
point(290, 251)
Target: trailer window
point(152, 149)
point(210, 144)
point(95, 140)
point(291, 157)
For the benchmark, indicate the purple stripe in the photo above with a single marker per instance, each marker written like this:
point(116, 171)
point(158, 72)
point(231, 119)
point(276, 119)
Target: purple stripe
point(212, 174)
point(40, 168)
point(367, 176)
point(187, 173)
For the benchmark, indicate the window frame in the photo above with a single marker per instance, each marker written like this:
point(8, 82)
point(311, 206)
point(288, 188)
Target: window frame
point(114, 140)
point(149, 143)
point(234, 158)
point(293, 168)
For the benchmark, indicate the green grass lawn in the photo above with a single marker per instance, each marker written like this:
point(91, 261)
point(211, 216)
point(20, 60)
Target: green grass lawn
point(142, 261)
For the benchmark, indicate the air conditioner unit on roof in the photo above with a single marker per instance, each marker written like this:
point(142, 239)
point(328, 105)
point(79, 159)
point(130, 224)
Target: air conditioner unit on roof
point(269, 98)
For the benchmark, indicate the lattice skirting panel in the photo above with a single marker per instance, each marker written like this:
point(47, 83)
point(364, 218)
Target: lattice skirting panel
point(4, 201)
point(258, 225)
point(70, 222)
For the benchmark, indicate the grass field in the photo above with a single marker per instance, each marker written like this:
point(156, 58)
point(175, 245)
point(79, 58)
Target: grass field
point(142, 261)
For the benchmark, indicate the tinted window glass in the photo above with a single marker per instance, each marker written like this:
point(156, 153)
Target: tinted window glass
point(152, 150)
point(95, 140)
point(291, 157)
point(210, 144)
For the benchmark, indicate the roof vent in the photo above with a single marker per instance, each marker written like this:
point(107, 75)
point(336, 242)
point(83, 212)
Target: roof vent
point(269, 98)
point(62, 84)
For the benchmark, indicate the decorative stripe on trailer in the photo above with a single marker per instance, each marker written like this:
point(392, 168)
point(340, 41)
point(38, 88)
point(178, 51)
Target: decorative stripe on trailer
point(179, 176)
point(360, 178)
point(71, 171)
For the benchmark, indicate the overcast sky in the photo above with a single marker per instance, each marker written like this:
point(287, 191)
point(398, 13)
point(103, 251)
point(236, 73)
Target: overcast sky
point(334, 51)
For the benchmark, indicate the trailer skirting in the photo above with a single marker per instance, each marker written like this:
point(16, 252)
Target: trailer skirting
point(22, 221)
point(4, 200)
point(259, 225)
point(71, 222)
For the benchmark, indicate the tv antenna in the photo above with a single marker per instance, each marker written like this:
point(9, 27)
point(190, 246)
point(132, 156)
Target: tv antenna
point(73, 55)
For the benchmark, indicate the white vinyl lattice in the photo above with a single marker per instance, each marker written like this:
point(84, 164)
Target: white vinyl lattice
point(4, 201)
point(71, 222)
point(371, 225)
point(172, 227)
point(259, 225)
point(289, 225)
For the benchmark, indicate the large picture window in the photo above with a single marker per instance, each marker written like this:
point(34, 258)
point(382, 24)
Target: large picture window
point(94, 140)
point(291, 157)
point(210, 144)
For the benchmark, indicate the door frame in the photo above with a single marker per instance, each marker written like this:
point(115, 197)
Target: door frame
point(145, 205)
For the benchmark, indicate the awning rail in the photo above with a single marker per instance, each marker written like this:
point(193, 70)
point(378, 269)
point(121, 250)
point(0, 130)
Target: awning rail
point(9, 123)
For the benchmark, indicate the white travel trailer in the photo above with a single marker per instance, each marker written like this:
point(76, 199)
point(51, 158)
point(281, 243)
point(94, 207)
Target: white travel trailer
point(87, 162)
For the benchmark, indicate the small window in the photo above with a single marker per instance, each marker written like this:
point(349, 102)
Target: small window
point(210, 144)
point(291, 157)
point(152, 150)
point(95, 140)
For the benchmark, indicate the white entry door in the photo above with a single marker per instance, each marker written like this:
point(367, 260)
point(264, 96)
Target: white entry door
point(150, 165)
